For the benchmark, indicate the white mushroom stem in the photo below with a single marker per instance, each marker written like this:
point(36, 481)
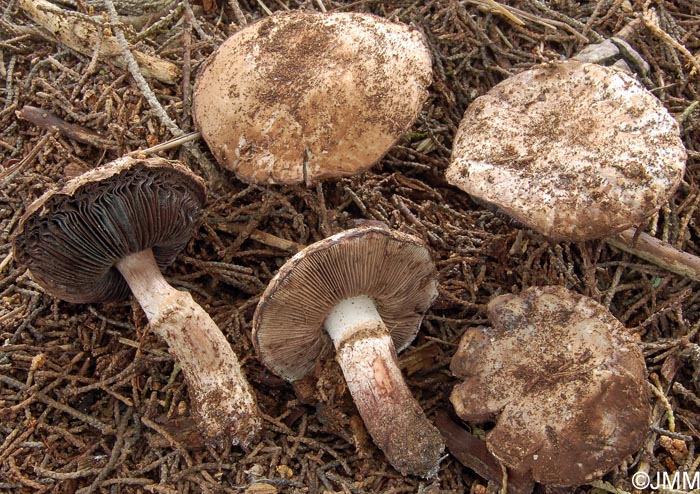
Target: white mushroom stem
point(220, 396)
point(394, 419)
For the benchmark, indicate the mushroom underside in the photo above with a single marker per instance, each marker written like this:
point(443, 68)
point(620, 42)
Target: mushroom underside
point(393, 269)
point(72, 243)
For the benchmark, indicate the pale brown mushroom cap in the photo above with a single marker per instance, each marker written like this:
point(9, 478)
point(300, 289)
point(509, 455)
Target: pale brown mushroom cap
point(300, 97)
point(71, 238)
point(394, 269)
point(574, 150)
point(564, 381)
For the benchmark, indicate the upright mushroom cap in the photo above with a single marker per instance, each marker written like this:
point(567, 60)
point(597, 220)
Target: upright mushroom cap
point(563, 380)
point(302, 96)
point(574, 150)
point(392, 268)
point(70, 239)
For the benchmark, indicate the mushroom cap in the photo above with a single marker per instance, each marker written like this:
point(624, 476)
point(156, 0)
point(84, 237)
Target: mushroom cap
point(394, 269)
point(573, 150)
point(71, 238)
point(304, 96)
point(564, 381)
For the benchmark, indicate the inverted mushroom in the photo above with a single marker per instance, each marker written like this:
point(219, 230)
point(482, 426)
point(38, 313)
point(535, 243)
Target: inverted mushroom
point(573, 150)
point(300, 97)
point(563, 380)
point(112, 230)
point(363, 291)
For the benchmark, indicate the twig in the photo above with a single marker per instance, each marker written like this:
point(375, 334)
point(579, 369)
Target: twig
point(516, 16)
point(6, 261)
point(15, 169)
point(686, 393)
point(674, 435)
point(273, 241)
point(264, 7)
point(573, 23)
point(133, 66)
point(185, 84)
point(49, 121)
point(163, 146)
point(12, 441)
point(503, 10)
point(238, 13)
point(160, 24)
point(656, 390)
point(136, 73)
point(473, 453)
point(171, 441)
point(81, 33)
point(66, 475)
point(9, 84)
point(651, 21)
point(102, 427)
point(263, 237)
point(194, 22)
point(115, 455)
point(658, 252)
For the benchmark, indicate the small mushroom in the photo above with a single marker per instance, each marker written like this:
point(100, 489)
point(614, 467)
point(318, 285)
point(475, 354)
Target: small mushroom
point(571, 149)
point(363, 291)
point(302, 96)
point(562, 379)
point(114, 228)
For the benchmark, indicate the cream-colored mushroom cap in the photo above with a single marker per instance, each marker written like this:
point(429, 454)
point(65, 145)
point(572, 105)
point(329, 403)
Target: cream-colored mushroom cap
point(300, 97)
point(574, 150)
point(563, 380)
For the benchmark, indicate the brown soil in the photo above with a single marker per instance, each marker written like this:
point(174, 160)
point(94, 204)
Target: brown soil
point(90, 400)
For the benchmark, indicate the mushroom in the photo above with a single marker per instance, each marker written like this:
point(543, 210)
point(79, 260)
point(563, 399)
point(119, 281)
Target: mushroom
point(563, 380)
point(301, 96)
point(363, 291)
point(571, 149)
point(113, 229)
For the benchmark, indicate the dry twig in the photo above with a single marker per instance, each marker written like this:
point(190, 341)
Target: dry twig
point(82, 33)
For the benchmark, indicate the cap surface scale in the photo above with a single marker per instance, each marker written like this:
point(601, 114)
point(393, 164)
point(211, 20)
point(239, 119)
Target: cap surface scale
point(573, 150)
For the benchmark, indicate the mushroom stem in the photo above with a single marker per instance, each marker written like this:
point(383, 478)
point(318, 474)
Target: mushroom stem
point(220, 396)
point(394, 419)
point(147, 283)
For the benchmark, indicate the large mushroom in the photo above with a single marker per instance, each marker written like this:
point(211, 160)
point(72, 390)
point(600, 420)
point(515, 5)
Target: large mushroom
point(562, 379)
point(112, 230)
point(574, 150)
point(363, 291)
point(301, 96)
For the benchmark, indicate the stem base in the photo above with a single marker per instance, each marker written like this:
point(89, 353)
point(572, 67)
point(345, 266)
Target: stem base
point(391, 414)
